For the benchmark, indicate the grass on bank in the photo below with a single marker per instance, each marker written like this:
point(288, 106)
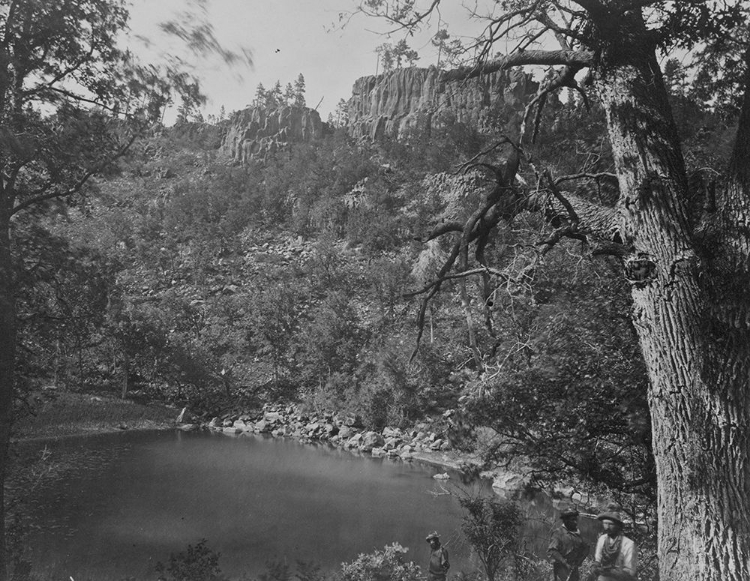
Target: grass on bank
point(65, 413)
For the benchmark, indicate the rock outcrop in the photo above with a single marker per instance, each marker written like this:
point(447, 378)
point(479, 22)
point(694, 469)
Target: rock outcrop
point(392, 104)
point(256, 132)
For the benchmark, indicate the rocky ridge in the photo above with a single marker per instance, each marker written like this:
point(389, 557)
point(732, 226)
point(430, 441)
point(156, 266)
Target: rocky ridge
point(256, 132)
point(385, 106)
point(392, 104)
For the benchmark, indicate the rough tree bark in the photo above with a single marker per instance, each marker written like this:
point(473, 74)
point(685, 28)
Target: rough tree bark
point(698, 363)
point(7, 358)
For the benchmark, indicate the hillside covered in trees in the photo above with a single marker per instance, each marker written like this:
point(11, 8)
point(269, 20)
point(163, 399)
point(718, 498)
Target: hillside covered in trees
point(192, 277)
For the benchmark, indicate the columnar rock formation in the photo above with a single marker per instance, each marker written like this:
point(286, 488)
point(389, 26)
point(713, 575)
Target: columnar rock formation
point(257, 131)
point(392, 104)
point(388, 105)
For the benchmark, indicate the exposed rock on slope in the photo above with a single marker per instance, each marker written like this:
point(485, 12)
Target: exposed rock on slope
point(255, 132)
point(392, 104)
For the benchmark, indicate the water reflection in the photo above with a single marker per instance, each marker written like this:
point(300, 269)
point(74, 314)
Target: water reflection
point(119, 503)
point(122, 502)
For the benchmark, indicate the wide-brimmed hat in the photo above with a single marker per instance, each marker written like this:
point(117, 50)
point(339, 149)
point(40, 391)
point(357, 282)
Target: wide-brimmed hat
point(432, 535)
point(611, 513)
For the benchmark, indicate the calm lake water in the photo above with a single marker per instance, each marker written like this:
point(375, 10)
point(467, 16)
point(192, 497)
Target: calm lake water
point(119, 503)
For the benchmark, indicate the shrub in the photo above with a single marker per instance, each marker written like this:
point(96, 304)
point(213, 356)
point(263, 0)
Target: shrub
point(197, 563)
point(385, 565)
point(492, 528)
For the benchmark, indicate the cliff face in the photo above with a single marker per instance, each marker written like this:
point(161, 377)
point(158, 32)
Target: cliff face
point(255, 132)
point(387, 105)
point(390, 105)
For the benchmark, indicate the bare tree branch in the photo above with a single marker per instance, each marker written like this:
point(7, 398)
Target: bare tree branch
point(579, 58)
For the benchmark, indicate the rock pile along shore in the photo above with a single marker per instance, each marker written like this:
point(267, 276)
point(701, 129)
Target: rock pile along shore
point(343, 431)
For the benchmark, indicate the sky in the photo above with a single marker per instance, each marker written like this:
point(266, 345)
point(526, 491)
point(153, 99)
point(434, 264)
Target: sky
point(286, 37)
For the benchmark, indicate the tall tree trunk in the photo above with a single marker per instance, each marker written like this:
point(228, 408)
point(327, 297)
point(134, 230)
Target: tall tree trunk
point(470, 327)
point(7, 359)
point(125, 372)
point(698, 363)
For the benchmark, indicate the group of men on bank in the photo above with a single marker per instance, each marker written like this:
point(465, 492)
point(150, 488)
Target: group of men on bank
point(615, 557)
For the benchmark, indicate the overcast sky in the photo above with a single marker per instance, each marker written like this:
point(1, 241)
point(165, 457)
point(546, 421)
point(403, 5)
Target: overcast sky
point(286, 37)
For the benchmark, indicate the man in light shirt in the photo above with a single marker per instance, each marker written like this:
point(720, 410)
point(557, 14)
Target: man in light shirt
point(616, 556)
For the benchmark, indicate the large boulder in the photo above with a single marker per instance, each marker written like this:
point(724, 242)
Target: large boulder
point(371, 440)
point(352, 421)
point(354, 442)
point(511, 485)
point(346, 432)
point(273, 417)
point(391, 433)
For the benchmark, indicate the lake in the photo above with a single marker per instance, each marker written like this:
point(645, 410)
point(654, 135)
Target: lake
point(119, 503)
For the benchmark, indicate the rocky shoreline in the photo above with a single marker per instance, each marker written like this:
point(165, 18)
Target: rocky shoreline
point(427, 442)
point(423, 442)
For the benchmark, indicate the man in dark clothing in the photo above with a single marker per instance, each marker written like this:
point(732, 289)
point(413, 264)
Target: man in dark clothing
point(567, 550)
point(439, 565)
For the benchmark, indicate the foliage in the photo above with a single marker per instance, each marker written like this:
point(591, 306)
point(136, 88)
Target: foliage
point(331, 338)
point(386, 565)
point(570, 394)
point(51, 413)
point(396, 55)
point(449, 50)
point(491, 526)
point(64, 292)
point(197, 563)
point(293, 95)
point(276, 571)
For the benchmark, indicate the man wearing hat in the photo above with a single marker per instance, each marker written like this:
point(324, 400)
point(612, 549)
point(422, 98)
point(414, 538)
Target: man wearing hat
point(439, 565)
point(567, 549)
point(616, 557)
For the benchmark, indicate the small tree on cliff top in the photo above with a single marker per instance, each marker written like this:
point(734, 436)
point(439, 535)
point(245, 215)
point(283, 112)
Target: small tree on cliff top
point(688, 264)
point(299, 91)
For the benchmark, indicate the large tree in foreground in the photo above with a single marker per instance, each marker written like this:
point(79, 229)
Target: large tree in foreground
point(71, 104)
point(688, 264)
